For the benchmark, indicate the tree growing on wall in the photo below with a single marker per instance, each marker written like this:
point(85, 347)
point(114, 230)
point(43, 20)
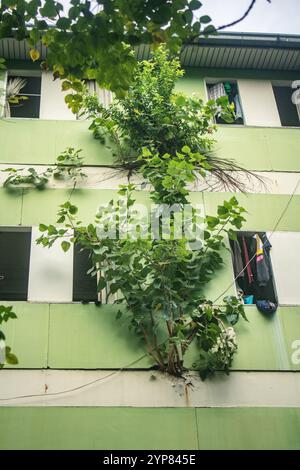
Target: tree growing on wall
point(166, 138)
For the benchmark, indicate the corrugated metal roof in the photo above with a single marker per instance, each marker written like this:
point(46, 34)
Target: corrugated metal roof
point(11, 49)
point(229, 50)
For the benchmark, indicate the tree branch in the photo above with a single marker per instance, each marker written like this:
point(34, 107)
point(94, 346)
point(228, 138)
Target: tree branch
point(242, 17)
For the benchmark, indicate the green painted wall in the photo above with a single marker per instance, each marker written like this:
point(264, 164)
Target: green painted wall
point(31, 207)
point(38, 337)
point(28, 336)
point(248, 428)
point(76, 336)
point(33, 141)
point(192, 83)
point(263, 210)
point(149, 428)
point(40, 141)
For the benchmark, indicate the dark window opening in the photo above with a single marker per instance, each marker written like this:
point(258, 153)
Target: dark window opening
point(253, 267)
point(24, 96)
point(287, 110)
point(229, 89)
point(84, 285)
point(14, 264)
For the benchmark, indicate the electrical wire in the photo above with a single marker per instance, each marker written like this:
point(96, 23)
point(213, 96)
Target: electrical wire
point(79, 387)
point(116, 372)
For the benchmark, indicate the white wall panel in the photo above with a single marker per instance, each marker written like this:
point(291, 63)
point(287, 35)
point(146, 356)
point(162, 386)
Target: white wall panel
point(123, 388)
point(285, 256)
point(50, 272)
point(258, 103)
point(3, 80)
point(53, 104)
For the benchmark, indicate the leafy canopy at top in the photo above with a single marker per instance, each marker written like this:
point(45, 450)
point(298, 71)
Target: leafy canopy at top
point(95, 39)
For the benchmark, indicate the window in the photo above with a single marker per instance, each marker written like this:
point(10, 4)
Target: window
point(289, 113)
point(84, 285)
point(229, 88)
point(14, 263)
point(251, 256)
point(23, 96)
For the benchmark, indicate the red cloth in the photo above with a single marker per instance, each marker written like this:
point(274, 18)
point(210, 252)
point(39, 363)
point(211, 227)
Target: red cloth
point(247, 261)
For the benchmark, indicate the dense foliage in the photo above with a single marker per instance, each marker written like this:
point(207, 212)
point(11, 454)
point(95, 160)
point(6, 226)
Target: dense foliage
point(154, 115)
point(160, 281)
point(94, 39)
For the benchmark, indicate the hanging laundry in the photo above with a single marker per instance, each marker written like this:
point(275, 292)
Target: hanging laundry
point(228, 88)
point(238, 266)
point(262, 265)
point(267, 248)
point(238, 108)
point(265, 306)
point(216, 91)
point(247, 262)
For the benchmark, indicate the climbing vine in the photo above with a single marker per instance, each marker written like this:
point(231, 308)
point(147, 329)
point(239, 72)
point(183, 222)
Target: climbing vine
point(68, 166)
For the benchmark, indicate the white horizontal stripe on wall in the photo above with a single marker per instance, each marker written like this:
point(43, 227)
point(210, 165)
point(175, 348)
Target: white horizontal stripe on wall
point(285, 256)
point(50, 272)
point(258, 103)
point(115, 388)
point(278, 182)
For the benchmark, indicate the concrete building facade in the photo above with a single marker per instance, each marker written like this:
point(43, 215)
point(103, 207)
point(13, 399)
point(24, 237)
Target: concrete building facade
point(83, 380)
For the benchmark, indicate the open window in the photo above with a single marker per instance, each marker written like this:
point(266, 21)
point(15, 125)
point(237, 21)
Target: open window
point(229, 88)
point(23, 95)
point(84, 285)
point(14, 263)
point(289, 112)
point(253, 267)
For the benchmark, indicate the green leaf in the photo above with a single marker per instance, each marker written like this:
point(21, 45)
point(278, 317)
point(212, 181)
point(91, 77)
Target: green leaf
point(49, 10)
point(186, 149)
point(232, 234)
point(222, 210)
point(63, 23)
point(180, 100)
point(101, 283)
point(52, 230)
point(205, 19)
point(43, 228)
point(65, 245)
point(73, 209)
point(119, 314)
point(233, 201)
point(209, 30)
point(11, 359)
point(195, 4)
